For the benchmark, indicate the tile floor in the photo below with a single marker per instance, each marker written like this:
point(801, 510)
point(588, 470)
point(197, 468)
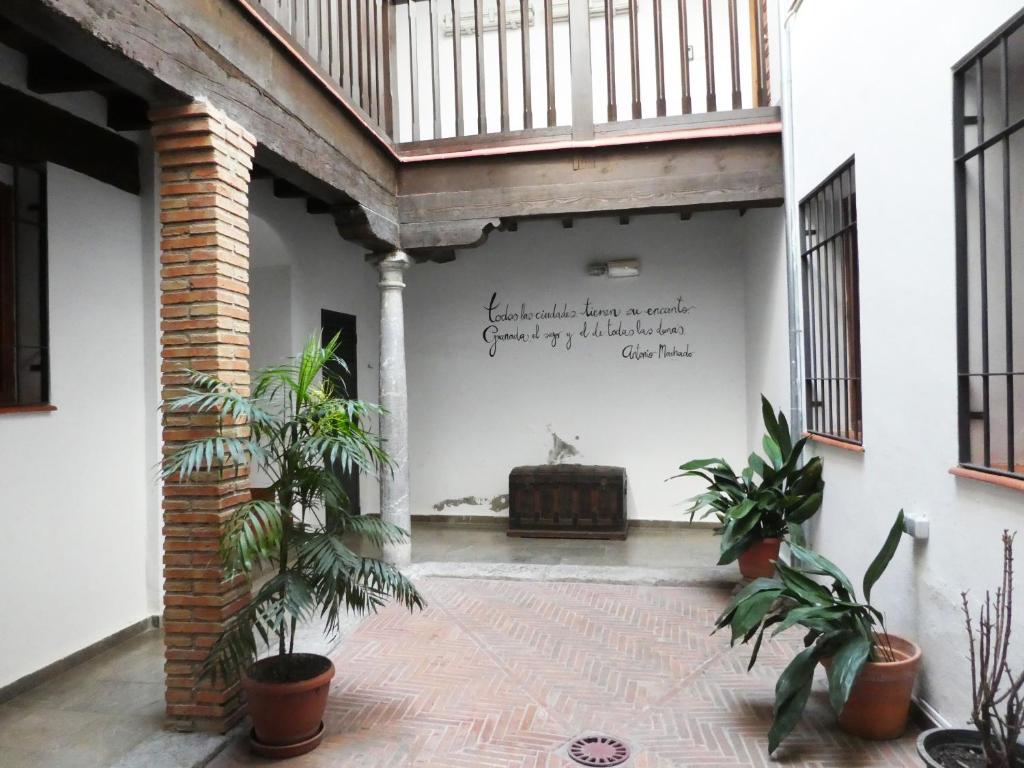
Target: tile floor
point(494, 673)
point(502, 674)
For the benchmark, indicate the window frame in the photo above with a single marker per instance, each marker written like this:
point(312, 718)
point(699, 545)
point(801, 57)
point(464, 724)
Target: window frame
point(851, 394)
point(10, 400)
point(996, 41)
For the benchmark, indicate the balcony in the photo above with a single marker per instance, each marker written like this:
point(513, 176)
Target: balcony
point(425, 124)
point(437, 79)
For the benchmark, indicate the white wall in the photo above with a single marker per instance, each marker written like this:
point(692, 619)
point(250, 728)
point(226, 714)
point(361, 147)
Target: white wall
point(76, 484)
point(474, 417)
point(767, 317)
point(300, 265)
point(892, 109)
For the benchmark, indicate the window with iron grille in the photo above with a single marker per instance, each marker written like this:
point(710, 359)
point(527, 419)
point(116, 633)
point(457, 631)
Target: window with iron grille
point(988, 147)
point(24, 352)
point(832, 382)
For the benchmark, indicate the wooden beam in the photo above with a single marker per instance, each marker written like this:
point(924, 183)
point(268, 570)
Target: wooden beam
point(354, 221)
point(50, 71)
point(126, 111)
point(170, 51)
point(44, 133)
point(721, 173)
point(466, 233)
point(285, 189)
point(317, 207)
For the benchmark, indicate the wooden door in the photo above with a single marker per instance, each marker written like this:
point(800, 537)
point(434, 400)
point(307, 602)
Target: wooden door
point(345, 381)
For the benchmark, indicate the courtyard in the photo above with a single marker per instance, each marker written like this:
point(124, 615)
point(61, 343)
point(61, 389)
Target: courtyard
point(524, 646)
point(459, 383)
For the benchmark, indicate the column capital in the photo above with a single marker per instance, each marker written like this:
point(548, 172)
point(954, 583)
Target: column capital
point(391, 265)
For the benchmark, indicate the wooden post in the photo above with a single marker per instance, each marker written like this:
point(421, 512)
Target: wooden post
point(582, 85)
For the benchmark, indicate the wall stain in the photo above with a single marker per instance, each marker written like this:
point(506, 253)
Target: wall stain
point(471, 501)
point(560, 449)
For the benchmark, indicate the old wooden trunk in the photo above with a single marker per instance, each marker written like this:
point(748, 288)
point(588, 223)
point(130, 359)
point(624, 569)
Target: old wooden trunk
point(568, 501)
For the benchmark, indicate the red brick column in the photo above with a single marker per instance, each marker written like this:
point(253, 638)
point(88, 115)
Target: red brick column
point(205, 165)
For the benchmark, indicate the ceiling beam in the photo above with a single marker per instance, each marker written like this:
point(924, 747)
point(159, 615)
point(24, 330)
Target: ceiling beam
point(50, 71)
point(722, 173)
point(44, 133)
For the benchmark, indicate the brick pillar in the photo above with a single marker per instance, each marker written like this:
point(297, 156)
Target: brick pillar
point(205, 165)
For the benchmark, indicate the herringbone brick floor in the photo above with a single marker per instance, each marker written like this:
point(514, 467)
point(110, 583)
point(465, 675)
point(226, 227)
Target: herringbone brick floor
point(502, 674)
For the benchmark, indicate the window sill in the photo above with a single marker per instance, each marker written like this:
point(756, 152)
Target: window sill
point(841, 444)
point(987, 477)
point(41, 408)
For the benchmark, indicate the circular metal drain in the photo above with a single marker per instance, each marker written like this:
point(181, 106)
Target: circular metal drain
point(598, 750)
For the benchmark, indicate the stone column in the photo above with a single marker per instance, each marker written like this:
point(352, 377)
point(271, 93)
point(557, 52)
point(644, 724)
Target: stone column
point(394, 486)
point(205, 164)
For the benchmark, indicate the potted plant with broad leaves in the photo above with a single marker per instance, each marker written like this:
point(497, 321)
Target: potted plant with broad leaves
point(765, 503)
point(997, 709)
point(871, 673)
point(299, 430)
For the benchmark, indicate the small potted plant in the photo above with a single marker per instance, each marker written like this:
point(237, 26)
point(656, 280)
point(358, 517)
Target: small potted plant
point(871, 673)
point(764, 504)
point(299, 431)
point(997, 710)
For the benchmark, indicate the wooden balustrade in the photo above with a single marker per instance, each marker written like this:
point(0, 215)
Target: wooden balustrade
point(435, 69)
point(351, 41)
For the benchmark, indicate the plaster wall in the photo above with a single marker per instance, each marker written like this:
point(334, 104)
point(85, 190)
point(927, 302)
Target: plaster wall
point(77, 483)
point(474, 416)
point(300, 265)
point(892, 110)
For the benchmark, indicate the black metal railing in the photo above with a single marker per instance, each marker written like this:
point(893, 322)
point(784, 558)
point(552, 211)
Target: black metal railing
point(832, 380)
point(988, 147)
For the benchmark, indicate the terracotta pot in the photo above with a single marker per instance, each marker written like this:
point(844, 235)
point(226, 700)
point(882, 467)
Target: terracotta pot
point(287, 716)
point(879, 702)
point(758, 559)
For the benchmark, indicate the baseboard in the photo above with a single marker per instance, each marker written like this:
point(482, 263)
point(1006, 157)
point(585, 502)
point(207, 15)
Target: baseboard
point(50, 671)
point(674, 525)
point(501, 523)
point(925, 716)
point(471, 521)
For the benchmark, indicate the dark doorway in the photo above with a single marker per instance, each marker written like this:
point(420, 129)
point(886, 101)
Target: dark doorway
point(344, 379)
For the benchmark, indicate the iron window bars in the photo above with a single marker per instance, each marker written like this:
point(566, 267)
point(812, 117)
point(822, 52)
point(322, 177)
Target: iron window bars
point(988, 149)
point(832, 380)
point(24, 332)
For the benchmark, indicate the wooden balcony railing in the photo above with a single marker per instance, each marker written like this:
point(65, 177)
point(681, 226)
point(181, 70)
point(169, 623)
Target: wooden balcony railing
point(429, 73)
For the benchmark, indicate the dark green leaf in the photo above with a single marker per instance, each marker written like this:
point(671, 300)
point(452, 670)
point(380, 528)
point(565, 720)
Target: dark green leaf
point(771, 448)
point(699, 464)
point(884, 556)
point(791, 693)
point(807, 558)
point(846, 666)
point(751, 612)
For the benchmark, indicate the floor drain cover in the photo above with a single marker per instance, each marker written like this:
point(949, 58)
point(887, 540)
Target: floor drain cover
point(598, 750)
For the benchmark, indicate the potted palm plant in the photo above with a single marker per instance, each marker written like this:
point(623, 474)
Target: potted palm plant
point(765, 503)
point(871, 673)
point(299, 431)
point(997, 704)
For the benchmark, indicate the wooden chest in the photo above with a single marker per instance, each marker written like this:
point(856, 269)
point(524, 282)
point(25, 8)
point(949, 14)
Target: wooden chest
point(567, 501)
